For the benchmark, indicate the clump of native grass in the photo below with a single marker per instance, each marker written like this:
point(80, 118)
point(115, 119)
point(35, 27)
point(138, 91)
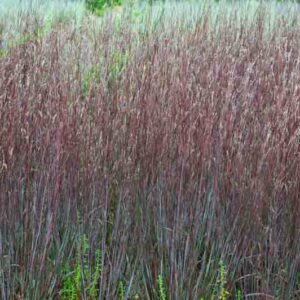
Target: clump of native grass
point(162, 158)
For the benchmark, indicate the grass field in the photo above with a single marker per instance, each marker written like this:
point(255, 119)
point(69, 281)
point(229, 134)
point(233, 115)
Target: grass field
point(152, 152)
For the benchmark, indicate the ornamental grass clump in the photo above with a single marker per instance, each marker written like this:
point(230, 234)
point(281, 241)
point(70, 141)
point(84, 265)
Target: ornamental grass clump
point(179, 151)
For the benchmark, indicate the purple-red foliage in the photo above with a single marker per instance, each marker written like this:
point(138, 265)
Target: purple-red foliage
point(190, 155)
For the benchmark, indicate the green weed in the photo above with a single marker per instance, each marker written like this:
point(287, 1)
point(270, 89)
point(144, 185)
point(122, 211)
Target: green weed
point(223, 293)
point(239, 295)
point(121, 291)
point(92, 291)
point(161, 288)
point(78, 278)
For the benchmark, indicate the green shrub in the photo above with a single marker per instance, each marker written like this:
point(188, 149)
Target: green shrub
point(98, 6)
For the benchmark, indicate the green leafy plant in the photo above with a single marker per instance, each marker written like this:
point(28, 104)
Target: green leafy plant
point(92, 291)
point(73, 280)
point(99, 6)
point(121, 290)
point(239, 295)
point(161, 288)
point(68, 289)
point(223, 293)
